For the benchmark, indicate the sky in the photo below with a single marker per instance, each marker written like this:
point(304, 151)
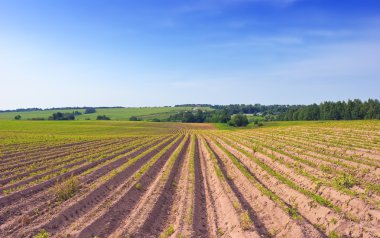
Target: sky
point(166, 52)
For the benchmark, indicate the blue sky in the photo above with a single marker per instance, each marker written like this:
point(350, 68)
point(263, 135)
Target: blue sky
point(152, 53)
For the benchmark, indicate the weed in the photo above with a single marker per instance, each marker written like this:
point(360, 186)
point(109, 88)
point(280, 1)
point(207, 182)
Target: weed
point(345, 181)
point(273, 232)
point(334, 220)
point(42, 234)
point(66, 189)
point(220, 231)
point(255, 148)
point(138, 186)
point(236, 205)
point(352, 217)
point(374, 187)
point(325, 168)
point(293, 213)
point(318, 185)
point(168, 232)
point(333, 234)
point(320, 227)
point(245, 221)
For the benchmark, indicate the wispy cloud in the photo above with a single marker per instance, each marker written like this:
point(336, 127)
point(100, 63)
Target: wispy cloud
point(258, 41)
point(219, 5)
point(329, 33)
point(336, 62)
point(217, 51)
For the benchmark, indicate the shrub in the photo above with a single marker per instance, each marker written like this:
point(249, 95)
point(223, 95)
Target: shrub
point(67, 188)
point(257, 123)
point(62, 116)
point(18, 117)
point(89, 110)
point(102, 117)
point(37, 119)
point(134, 118)
point(238, 120)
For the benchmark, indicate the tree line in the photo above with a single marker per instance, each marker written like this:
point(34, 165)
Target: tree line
point(64, 116)
point(341, 110)
point(245, 108)
point(216, 116)
point(200, 116)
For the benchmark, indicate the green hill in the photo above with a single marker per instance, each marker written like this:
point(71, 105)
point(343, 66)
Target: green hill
point(122, 114)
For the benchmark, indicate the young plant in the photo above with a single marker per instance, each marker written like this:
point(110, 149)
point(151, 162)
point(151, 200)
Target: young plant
point(168, 232)
point(66, 189)
point(42, 234)
point(245, 221)
point(345, 181)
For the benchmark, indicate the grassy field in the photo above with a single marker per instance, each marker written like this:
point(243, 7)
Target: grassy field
point(25, 131)
point(82, 128)
point(122, 179)
point(145, 113)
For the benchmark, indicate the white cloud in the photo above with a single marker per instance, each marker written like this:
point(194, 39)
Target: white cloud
point(336, 62)
point(329, 33)
point(219, 5)
point(256, 41)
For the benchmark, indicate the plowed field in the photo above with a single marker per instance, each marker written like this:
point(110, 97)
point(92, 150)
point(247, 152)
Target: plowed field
point(182, 180)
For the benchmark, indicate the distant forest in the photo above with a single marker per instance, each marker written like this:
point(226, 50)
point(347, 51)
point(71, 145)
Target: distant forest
point(341, 110)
